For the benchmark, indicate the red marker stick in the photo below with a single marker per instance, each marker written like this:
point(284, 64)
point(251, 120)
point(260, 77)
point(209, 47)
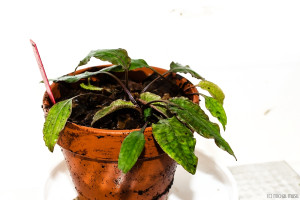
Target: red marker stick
point(42, 70)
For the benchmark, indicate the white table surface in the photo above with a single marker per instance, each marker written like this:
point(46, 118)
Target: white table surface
point(251, 49)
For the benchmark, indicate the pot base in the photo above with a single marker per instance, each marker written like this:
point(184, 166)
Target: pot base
point(149, 179)
point(164, 197)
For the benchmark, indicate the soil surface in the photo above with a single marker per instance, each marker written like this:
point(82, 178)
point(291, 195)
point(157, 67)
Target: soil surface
point(85, 106)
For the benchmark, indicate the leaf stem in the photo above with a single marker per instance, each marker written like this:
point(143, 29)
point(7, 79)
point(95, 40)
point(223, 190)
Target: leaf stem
point(144, 127)
point(155, 101)
point(165, 101)
point(152, 106)
point(161, 75)
point(123, 86)
point(158, 117)
point(126, 77)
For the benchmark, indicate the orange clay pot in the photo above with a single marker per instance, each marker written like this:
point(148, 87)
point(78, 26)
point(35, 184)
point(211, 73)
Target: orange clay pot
point(92, 158)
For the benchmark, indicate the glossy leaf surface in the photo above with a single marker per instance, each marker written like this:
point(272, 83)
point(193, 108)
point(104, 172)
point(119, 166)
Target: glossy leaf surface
point(214, 90)
point(192, 115)
point(87, 74)
point(114, 106)
point(176, 67)
point(137, 63)
point(55, 122)
point(131, 149)
point(114, 56)
point(177, 141)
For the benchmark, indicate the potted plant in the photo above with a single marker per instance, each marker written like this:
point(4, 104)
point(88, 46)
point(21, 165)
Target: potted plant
point(124, 127)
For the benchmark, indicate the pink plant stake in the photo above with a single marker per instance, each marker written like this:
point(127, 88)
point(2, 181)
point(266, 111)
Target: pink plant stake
point(42, 70)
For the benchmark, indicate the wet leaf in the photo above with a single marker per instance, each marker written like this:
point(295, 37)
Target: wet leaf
point(148, 96)
point(214, 90)
point(216, 109)
point(55, 122)
point(114, 106)
point(114, 56)
point(131, 149)
point(176, 67)
point(194, 117)
point(177, 141)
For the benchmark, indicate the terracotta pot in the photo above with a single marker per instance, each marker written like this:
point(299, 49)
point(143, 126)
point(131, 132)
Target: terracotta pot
point(92, 158)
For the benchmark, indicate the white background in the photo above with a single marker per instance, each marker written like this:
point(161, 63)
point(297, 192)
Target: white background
point(250, 48)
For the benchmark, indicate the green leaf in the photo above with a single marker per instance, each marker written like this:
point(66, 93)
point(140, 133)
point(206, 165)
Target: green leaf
point(56, 121)
point(148, 97)
point(216, 109)
point(115, 56)
point(214, 90)
point(114, 106)
point(177, 141)
point(131, 149)
point(137, 63)
point(147, 113)
point(113, 68)
point(90, 87)
point(176, 67)
point(87, 74)
point(192, 115)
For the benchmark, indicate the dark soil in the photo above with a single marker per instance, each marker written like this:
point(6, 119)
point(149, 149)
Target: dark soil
point(85, 106)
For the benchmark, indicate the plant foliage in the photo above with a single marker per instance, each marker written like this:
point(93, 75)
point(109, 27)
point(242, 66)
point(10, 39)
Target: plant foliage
point(131, 149)
point(114, 106)
point(177, 141)
point(176, 118)
point(56, 121)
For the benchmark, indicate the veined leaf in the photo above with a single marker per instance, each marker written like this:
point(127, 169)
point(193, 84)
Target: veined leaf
point(176, 67)
point(131, 149)
point(214, 90)
point(114, 106)
point(192, 115)
point(114, 56)
point(56, 121)
point(137, 63)
point(113, 68)
point(87, 74)
point(148, 96)
point(177, 141)
point(216, 109)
